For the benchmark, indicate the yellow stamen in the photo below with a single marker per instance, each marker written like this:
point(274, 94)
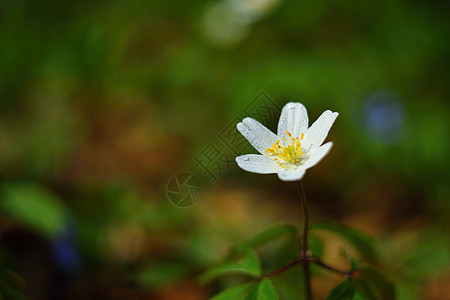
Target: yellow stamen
point(286, 155)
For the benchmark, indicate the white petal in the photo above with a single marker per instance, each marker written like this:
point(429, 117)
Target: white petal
point(257, 134)
point(293, 118)
point(257, 164)
point(316, 156)
point(318, 131)
point(291, 175)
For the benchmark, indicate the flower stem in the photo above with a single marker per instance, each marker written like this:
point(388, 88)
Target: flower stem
point(284, 268)
point(304, 245)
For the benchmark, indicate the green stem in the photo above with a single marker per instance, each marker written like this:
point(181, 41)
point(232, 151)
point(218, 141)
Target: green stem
point(304, 245)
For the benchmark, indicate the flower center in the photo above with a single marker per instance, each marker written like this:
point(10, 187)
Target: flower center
point(287, 155)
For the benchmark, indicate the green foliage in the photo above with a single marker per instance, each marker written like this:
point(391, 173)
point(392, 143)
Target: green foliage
point(372, 284)
point(34, 207)
point(343, 291)
point(289, 284)
point(261, 290)
point(266, 291)
point(263, 237)
point(362, 243)
point(248, 265)
point(315, 245)
point(354, 263)
point(235, 292)
point(364, 283)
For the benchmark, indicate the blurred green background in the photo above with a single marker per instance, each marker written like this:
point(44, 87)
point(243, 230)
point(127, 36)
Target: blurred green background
point(103, 102)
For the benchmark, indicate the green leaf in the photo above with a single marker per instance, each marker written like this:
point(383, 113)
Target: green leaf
point(266, 291)
point(362, 243)
point(358, 296)
point(262, 238)
point(34, 207)
point(354, 263)
point(365, 283)
point(253, 293)
point(343, 291)
point(248, 265)
point(315, 245)
point(235, 292)
point(372, 284)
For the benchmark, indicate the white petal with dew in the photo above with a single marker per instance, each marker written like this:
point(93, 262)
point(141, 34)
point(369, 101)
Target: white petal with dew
point(316, 156)
point(257, 134)
point(293, 118)
point(291, 175)
point(318, 131)
point(257, 164)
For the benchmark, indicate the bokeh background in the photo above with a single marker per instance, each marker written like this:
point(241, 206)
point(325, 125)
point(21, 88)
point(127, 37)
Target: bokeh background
point(103, 102)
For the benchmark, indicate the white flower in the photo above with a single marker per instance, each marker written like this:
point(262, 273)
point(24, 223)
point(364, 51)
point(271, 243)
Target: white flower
point(293, 149)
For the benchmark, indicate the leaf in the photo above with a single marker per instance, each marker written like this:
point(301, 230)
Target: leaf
point(362, 242)
point(263, 237)
point(372, 284)
point(266, 291)
point(365, 283)
point(343, 291)
point(364, 290)
point(248, 265)
point(358, 296)
point(253, 293)
point(34, 207)
point(354, 263)
point(315, 245)
point(235, 292)
point(263, 290)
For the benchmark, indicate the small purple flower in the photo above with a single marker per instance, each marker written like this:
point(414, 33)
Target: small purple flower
point(384, 116)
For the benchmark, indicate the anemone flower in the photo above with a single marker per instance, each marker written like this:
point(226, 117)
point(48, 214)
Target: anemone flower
point(294, 149)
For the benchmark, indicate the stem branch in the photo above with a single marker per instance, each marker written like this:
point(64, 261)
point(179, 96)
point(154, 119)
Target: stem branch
point(304, 260)
point(284, 268)
point(318, 262)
